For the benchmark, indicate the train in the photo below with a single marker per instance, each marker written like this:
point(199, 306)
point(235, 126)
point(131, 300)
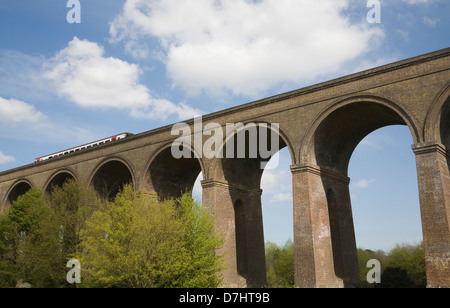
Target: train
point(84, 147)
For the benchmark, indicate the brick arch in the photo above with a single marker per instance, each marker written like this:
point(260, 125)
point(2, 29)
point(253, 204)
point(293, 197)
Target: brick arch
point(437, 121)
point(219, 165)
point(169, 177)
point(335, 133)
point(19, 188)
point(58, 179)
point(110, 175)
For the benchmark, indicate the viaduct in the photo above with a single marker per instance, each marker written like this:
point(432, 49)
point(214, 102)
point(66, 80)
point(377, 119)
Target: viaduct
point(320, 125)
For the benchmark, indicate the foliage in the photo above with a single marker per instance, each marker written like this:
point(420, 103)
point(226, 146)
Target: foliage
point(411, 259)
point(280, 265)
point(29, 246)
point(403, 266)
point(72, 204)
point(133, 241)
point(136, 241)
point(364, 255)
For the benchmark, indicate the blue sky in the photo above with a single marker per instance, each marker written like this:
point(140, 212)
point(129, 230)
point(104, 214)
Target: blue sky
point(135, 65)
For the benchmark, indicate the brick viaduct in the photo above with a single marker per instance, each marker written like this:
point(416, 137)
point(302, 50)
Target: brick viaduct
point(321, 125)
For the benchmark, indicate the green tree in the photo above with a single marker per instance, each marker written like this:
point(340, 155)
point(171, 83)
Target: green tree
point(280, 265)
point(72, 203)
point(410, 259)
point(136, 241)
point(30, 246)
point(272, 252)
point(364, 255)
point(395, 277)
point(285, 265)
point(202, 264)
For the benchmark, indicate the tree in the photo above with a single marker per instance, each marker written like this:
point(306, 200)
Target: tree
point(29, 248)
point(285, 264)
point(72, 203)
point(280, 265)
point(395, 277)
point(202, 265)
point(272, 252)
point(136, 241)
point(364, 255)
point(410, 259)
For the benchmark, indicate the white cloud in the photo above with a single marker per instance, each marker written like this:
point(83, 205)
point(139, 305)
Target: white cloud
point(281, 197)
point(5, 159)
point(276, 183)
point(415, 2)
point(431, 22)
point(82, 73)
point(363, 184)
point(14, 112)
point(243, 46)
point(404, 35)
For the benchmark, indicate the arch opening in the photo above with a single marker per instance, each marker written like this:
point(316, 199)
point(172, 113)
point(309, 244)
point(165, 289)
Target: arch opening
point(247, 153)
point(384, 191)
point(58, 181)
point(445, 124)
point(169, 177)
point(19, 189)
point(341, 131)
point(332, 145)
point(110, 179)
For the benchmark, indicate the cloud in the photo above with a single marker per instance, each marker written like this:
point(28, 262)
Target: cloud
point(276, 183)
point(5, 159)
point(15, 112)
point(244, 47)
point(281, 197)
point(416, 2)
point(82, 73)
point(431, 22)
point(363, 184)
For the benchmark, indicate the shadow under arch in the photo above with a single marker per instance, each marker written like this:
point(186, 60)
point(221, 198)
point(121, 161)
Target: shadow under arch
point(110, 176)
point(225, 167)
point(18, 189)
point(169, 177)
point(58, 179)
point(437, 122)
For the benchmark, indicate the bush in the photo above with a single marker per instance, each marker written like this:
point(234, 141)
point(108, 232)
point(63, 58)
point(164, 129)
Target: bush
point(133, 241)
point(280, 265)
point(403, 266)
point(139, 242)
point(30, 244)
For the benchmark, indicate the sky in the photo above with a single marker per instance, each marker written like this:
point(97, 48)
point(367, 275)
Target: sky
point(136, 65)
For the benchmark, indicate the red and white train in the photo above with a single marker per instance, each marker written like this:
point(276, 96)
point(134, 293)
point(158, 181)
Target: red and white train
point(84, 147)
